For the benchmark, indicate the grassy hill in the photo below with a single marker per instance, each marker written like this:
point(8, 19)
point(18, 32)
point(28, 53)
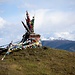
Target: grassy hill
point(44, 61)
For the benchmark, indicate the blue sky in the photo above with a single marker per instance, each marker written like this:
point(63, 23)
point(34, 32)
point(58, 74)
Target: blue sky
point(53, 18)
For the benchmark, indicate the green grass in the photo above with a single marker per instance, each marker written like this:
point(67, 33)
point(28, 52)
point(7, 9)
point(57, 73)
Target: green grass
point(40, 61)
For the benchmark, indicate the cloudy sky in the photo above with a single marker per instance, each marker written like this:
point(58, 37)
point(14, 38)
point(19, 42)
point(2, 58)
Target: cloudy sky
point(53, 18)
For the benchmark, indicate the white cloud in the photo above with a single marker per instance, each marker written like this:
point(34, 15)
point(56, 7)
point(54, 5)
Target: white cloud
point(1, 39)
point(54, 21)
point(65, 35)
point(10, 31)
point(1, 11)
point(3, 0)
point(6, 1)
point(27, 5)
point(57, 21)
point(48, 21)
point(59, 35)
point(2, 22)
point(60, 19)
point(44, 38)
point(39, 18)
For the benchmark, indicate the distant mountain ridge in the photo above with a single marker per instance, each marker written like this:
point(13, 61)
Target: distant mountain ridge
point(60, 44)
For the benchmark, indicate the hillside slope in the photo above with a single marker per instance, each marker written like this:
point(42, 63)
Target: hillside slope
point(44, 61)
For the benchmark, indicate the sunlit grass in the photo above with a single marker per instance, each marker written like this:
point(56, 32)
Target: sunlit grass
point(38, 61)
